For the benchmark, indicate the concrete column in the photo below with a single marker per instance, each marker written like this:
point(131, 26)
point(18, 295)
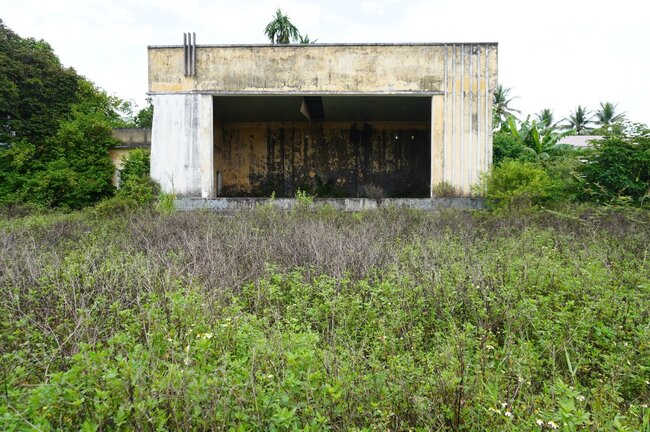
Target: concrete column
point(182, 145)
point(437, 140)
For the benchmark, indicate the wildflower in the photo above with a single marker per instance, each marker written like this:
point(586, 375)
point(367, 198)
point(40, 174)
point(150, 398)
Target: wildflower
point(204, 336)
point(490, 347)
point(580, 398)
point(552, 425)
point(504, 404)
point(186, 361)
point(540, 422)
point(644, 406)
point(269, 376)
point(187, 348)
point(508, 414)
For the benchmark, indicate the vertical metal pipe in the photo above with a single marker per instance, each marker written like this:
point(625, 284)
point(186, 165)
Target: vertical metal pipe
point(189, 54)
point(193, 54)
point(185, 54)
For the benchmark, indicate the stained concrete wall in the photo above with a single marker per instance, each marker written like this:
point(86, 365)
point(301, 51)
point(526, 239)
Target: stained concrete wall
point(459, 78)
point(344, 159)
point(182, 148)
point(130, 139)
point(461, 117)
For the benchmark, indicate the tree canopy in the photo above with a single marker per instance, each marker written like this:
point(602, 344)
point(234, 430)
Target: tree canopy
point(55, 128)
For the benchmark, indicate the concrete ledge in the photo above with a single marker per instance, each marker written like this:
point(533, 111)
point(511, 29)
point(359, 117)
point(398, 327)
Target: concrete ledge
point(345, 204)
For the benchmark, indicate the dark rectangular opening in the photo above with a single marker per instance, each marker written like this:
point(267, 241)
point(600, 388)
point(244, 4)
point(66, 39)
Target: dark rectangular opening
point(329, 146)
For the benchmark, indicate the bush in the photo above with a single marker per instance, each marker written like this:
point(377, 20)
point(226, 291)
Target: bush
point(507, 146)
point(446, 190)
point(515, 183)
point(390, 319)
point(135, 183)
point(617, 170)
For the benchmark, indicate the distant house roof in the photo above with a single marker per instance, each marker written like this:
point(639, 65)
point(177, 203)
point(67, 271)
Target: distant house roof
point(580, 141)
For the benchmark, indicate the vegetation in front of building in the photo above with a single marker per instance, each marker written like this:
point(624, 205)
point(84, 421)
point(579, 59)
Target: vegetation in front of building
point(323, 320)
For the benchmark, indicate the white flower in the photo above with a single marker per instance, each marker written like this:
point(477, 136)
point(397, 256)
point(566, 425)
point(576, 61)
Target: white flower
point(508, 414)
point(552, 425)
point(540, 422)
point(504, 404)
point(580, 398)
point(644, 406)
point(269, 376)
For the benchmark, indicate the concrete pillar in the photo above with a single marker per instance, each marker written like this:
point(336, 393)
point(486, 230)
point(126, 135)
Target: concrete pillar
point(437, 141)
point(182, 145)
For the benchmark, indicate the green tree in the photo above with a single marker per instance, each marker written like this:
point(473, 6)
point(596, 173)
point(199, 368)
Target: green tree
point(36, 91)
point(144, 117)
point(304, 40)
point(540, 144)
point(501, 108)
point(617, 169)
point(280, 30)
point(606, 116)
point(55, 128)
point(546, 120)
point(580, 120)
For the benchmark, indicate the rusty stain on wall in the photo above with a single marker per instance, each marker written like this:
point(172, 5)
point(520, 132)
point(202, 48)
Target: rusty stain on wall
point(338, 159)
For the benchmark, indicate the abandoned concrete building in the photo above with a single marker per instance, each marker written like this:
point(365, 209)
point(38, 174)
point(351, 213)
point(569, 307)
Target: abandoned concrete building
point(337, 120)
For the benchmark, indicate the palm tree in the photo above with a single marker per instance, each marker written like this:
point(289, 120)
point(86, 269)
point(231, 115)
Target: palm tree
point(501, 108)
point(304, 40)
point(281, 30)
point(545, 118)
point(606, 116)
point(579, 119)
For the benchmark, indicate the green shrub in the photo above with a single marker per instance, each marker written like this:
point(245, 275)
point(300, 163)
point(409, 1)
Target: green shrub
point(514, 183)
point(445, 189)
point(507, 146)
point(390, 319)
point(617, 169)
point(135, 182)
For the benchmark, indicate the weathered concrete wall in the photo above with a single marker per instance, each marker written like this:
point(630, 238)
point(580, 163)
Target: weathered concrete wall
point(461, 117)
point(460, 78)
point(133, 137)
point(342, 159)
point(118, 155)
point(322, 69)
point(130, 139)
point(182, 156)
point(346, 204)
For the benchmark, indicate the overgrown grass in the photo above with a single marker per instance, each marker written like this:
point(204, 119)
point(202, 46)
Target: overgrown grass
point(323, 320)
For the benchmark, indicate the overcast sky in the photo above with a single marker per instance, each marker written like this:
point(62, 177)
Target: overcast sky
point(552, 53)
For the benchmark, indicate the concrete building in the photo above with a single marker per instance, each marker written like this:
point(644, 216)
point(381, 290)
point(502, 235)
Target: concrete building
point(129, 140)
point(344, 120)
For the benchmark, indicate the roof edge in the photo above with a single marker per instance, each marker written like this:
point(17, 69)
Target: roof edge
point(268, 45)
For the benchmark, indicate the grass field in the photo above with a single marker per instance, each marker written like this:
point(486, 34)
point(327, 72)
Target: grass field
point(528, 320)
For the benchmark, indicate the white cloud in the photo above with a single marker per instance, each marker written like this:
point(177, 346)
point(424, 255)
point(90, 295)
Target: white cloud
point(555, 54)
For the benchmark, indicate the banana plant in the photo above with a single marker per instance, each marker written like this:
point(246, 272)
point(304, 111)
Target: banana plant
point(540, 145)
